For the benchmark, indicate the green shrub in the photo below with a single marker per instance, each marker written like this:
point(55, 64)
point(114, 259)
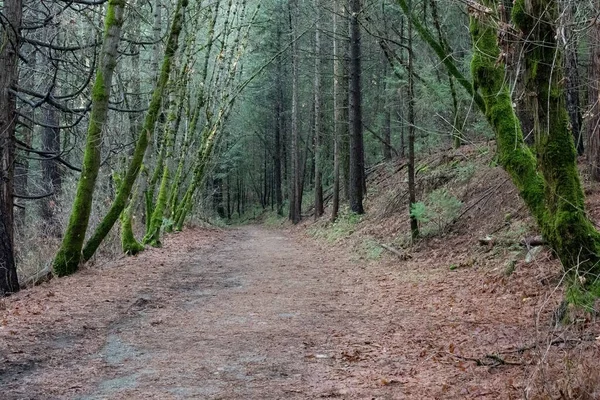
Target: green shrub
point(435, 214)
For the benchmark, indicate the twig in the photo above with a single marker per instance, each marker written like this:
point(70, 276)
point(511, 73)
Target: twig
point(489, 360)
point(45, 274)
point(403, 256)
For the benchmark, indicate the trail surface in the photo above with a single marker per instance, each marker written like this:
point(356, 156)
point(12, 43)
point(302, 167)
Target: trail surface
point(251, 313)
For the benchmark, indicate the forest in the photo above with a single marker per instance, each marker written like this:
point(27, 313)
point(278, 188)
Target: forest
point(400, 130)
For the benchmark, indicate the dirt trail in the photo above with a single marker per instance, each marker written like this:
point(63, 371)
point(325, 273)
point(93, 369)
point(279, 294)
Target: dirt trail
point(252, 313)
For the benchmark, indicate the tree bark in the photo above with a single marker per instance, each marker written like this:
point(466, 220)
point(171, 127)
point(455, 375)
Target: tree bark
point(318, 117)
point(12, 14)
point(295, 196)
point(51, 173)
point(569, 45)
point(593, 122)
point(68, 257)
point(412, 195)
point(338, 124)
point(278, 151)
point(356, 129)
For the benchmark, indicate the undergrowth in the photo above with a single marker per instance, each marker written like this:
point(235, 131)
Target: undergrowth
point(437, 212)
point(344, 226)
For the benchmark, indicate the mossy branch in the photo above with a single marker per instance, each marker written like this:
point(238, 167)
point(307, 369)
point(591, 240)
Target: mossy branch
point(442, 53)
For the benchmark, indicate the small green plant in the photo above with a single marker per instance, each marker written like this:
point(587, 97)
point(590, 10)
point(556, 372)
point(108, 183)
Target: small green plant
point(372, 249)
point(465, 171)
point(439, 211)
point(418, 211)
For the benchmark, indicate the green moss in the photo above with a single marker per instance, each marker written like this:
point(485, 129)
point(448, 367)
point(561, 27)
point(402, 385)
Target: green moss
point(519, 14)
point(99, 92)
point(129, 244)
point(153, 236)
point(583, 295)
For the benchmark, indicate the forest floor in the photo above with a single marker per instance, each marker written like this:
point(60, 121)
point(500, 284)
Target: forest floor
point(259, 313)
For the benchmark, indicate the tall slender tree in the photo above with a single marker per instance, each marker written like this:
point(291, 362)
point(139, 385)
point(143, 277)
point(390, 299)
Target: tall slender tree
point(356, 123)
point(338, 124)
point(295, 181)
point(12, 14)
point(318, 116)
point(412, 197)
point(593, 113)
point(68, 257)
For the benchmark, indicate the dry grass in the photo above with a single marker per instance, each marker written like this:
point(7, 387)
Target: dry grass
point(35, 245)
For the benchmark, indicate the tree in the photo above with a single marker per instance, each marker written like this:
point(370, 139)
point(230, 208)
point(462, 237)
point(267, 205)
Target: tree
point(278, 150)
point(295, 188)
point(338, 124)
point(412, 196)
point(318, 118)
point(569, 44)
point(356, 123)
point(68, 257)
point(593, 120)
point(12, 12)
point(548, 181)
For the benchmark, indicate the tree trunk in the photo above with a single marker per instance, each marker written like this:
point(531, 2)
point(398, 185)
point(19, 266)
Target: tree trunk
point(356, 133)
point(593, 122)
point(51, 173)
point(12, 14)
point(69, 255)
point(295, 199)
point(344, 77)
point(569, 45)
point(157, 36)
point(338, 130)
point(549, 183)
point(143, 140)
point(153, 236)
point(412, 196)
point(387, 122)
point(278, 151)
point(318, 117)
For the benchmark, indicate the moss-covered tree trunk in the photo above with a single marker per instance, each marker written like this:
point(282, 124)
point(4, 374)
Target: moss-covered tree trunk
point(129, 243)
point(548, 180)
point(68, 257)
point(142, 142)
point(153, 233)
